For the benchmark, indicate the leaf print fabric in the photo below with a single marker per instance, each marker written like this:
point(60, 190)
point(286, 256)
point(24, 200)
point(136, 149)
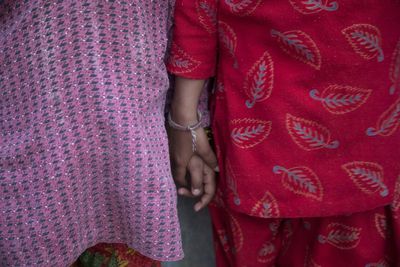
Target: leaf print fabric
point(388, 122)
point(181, 61)
point(368, 176)
point(395, 70)
point(396, 200)
point(267, 253)
point(259, 81)
point(305, 103)
point(232, 184)
point(247, 133)
point(237, 235)
point(314, 6)
point(300, 46)
point(309, 135)
point(266, 207)
point(381, 263)
point(228, 40)
point(341, 236)
point(341, 99)
point(381, 225)
point(242, 7)
point(328, 241)
point(366, 41)
point(207, 12)
point(301, 180)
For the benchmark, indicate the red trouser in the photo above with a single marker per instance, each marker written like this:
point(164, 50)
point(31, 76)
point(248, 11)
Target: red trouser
point(366, 239)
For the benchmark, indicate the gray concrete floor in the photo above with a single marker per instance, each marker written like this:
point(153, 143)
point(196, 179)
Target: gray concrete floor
point(196, 237)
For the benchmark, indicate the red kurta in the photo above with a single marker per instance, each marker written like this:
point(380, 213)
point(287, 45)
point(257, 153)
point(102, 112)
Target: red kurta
point(306, 106)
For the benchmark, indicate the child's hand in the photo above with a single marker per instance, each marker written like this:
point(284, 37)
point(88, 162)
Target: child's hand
point(181, 152)
point(201, 162)
point(202, 179)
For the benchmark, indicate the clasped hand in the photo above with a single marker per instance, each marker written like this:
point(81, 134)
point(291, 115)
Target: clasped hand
point(193, 172)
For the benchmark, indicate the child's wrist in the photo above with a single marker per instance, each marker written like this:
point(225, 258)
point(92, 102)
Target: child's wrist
point(184, 115)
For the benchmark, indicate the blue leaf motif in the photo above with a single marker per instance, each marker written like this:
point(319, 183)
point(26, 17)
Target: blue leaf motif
point(181, 63)
point(395, 70)
point(241, 5)
point(300, 46)
point(298, 178)
point(313, 138)
point(240, 134)
point(388, 123)
point(371, 178)
point(259, 81)
point(369, 41)
point(317, 5)
point(210, 12)
point(337, 100)
point(227, 35)
point(296, 44)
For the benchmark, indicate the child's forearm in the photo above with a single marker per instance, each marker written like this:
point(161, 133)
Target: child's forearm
point(185, 101)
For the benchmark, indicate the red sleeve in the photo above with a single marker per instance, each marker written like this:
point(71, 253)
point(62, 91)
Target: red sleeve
point(194, 44)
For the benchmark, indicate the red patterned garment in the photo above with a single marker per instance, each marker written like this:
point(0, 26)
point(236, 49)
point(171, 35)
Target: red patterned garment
point(306, 114)
point(306, 107)
point(365, 239)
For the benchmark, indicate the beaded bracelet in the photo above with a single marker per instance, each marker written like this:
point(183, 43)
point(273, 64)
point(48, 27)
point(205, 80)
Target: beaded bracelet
point(190, 128)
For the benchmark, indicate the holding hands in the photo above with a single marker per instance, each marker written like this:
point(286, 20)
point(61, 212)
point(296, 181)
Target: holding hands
point(191, 153)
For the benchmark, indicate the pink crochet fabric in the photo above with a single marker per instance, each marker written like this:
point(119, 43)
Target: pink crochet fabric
point(83, 150)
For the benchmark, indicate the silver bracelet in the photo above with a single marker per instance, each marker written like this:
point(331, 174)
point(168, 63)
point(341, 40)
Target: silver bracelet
point(190, 128)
